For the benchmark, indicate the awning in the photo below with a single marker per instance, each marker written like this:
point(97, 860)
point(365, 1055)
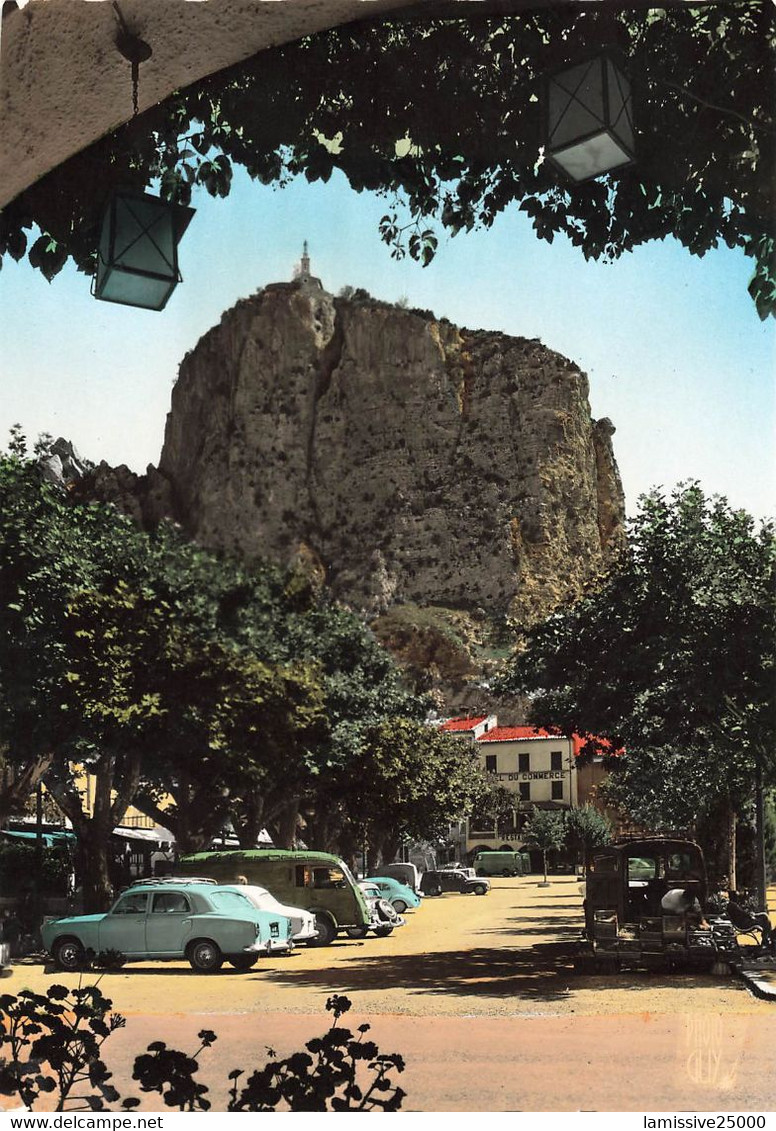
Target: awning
point(159, 837)
point(49, 838)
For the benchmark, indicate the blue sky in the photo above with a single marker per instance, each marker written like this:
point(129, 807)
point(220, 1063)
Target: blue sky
point(672, 345)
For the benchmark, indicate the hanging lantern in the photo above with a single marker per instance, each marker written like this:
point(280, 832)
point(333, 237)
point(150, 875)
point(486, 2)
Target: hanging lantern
point(589, 119)
point(137, 259)
point(137, 256)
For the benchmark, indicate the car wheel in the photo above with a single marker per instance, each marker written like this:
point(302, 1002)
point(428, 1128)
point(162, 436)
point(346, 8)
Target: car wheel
point(399, 906)
point(480, 889)
point(68, 954)
point(327, 932)
point(205, 957)
point(356, 932)
point(385, 910)
point(243, 961)
point(383, 932)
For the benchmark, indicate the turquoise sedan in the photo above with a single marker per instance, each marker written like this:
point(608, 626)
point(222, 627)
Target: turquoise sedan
point(172, 919)
point(402, 897)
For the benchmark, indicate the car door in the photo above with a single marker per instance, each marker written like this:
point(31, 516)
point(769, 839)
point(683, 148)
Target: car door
point(124, 927)
point(168, 925)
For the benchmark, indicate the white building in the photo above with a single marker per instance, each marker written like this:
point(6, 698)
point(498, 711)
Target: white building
point(537, 767)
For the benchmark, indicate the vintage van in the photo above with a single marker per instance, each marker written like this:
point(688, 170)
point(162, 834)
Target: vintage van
point(498, 863)
point(316, 881)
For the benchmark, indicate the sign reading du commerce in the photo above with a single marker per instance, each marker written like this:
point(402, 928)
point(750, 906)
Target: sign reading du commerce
point(531, 775)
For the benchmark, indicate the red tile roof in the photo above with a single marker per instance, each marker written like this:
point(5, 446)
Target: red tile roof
point(523, 734)
point(516, 734)
point(463, 724)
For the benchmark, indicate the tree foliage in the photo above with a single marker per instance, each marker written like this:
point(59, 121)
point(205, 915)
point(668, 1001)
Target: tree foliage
point(545, 830)
point(405, 781)
point(585, 828)
point(672, 658)
point(444, 118)
point(200, 690)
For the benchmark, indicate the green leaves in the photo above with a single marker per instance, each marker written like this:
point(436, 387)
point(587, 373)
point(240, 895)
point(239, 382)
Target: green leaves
point(49, 255)
point(443, 116)
point(671, 656)
point(215, 175)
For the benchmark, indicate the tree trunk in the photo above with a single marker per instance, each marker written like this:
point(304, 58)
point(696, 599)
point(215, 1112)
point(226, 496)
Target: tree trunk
point(93, 868)
point(19, 783)
point(248, 820)
point(284, 826)
point(731, 849)
point(113, 792)
point(391, 845)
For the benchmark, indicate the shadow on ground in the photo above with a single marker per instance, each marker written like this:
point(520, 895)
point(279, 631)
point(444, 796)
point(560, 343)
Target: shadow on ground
point(541, 972)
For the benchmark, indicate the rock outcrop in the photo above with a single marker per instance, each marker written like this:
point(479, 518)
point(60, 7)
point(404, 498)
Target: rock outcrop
point(419, 463)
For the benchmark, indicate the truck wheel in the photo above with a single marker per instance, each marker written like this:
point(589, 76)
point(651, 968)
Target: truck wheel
point(205, 956)
point(68, 954)
point(327, 932)
point(480, 889)
point(243, 961)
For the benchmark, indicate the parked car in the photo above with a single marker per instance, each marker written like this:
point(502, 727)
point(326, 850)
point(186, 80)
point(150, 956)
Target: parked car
point(303, 922)
point(171, 919)
point(434, 883)
point(398, 895)
point(498, 863)
point(406, 873)
point(383, 918)
point(317, 881)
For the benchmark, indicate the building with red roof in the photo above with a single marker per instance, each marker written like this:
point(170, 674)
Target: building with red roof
point(472, 727)
point(538, 766)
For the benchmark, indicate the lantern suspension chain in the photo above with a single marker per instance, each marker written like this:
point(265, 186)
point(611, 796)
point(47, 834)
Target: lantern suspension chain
point(135, 50)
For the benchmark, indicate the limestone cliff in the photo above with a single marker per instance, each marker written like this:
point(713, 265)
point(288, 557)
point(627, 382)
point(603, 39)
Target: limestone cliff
point(419, 463)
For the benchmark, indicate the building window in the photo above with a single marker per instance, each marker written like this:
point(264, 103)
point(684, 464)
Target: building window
point(557, 791)
point(524, 763)
point(556, 760)
point(490, 763)
point(525, 790)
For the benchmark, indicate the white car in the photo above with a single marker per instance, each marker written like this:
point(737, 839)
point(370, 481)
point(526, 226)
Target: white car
point(303, 922)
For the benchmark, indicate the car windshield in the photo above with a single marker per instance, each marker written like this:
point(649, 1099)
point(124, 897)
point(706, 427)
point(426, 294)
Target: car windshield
point(229, 901)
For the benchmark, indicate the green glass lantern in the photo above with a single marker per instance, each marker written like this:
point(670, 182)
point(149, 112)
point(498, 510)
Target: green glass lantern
point(589, 119)
point(137, 259)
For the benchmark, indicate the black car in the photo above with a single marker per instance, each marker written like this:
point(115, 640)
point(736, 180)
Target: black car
point(434, 883)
